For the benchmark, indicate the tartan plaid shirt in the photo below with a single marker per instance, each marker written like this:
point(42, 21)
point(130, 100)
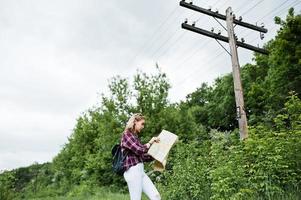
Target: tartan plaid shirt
point(137, 152)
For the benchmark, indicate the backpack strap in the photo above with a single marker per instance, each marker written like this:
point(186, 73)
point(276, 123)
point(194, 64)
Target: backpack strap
point(123, 150)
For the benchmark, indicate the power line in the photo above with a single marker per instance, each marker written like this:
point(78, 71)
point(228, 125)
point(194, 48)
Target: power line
point(164, 52)
point(266, 16)
point(154, 33)
point(195, 72)
point(183, 34)
point(177, 68)
point(173, 44)
point(252, 7)
point(166, 29)
point(277, 13)
point(243, 5)
point(207, 41)
point(233, 43)
point(273, 10)
point(165, 42)
point(168, 39)
point(192, 54)
point(257, 36)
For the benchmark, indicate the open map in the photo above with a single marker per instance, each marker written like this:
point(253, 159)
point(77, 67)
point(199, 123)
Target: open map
point(159, 151)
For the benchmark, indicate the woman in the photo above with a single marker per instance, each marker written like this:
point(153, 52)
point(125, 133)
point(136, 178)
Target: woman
point(137, 180)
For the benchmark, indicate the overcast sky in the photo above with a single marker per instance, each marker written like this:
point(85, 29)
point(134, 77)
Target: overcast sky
point(57, 56)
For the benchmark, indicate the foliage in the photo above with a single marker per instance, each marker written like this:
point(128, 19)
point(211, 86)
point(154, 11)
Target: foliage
point(209, 162)
point(265, 166)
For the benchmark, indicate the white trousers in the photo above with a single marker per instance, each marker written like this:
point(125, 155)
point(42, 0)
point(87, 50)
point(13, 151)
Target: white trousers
point(138, 182)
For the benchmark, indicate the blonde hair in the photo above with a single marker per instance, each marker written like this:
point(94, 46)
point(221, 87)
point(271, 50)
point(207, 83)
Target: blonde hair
point(130, 125)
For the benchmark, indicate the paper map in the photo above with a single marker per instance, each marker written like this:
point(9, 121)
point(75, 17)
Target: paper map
point(159, 151)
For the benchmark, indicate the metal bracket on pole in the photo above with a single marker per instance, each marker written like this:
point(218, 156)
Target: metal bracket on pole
point(238, 112)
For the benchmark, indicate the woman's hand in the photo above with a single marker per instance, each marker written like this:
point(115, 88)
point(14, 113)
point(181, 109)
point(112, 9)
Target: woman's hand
point(154, 139)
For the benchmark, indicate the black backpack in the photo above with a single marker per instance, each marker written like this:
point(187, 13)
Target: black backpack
point(118, 159)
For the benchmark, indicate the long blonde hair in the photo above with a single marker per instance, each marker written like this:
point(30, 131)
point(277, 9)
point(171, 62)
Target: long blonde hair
point(130, 125)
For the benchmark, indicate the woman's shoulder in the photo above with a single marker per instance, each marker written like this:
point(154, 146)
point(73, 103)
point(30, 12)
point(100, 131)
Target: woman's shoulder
point(126, 134)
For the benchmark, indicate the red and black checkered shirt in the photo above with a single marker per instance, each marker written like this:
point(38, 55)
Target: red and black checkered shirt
point(136, 151)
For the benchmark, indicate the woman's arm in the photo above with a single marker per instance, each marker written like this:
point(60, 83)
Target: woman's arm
point(132, 143)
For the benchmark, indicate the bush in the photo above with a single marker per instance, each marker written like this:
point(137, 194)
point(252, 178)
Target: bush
point(267, 165)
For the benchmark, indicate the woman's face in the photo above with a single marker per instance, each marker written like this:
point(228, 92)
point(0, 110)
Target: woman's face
point(139, 125)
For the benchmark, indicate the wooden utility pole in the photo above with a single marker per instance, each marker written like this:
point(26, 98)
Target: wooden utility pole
point(239, 98)
point(234, 43)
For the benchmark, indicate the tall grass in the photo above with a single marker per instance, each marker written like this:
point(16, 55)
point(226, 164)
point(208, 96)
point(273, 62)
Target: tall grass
point(100, 194)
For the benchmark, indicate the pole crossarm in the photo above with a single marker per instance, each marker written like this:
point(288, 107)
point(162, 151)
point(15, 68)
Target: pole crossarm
point(233, 44)
point(220, 16)
point(222, 38)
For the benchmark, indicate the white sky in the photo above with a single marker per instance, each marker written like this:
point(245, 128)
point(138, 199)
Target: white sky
point(56, 57)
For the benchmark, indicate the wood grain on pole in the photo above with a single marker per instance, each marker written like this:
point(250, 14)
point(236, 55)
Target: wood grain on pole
point(239, 99)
